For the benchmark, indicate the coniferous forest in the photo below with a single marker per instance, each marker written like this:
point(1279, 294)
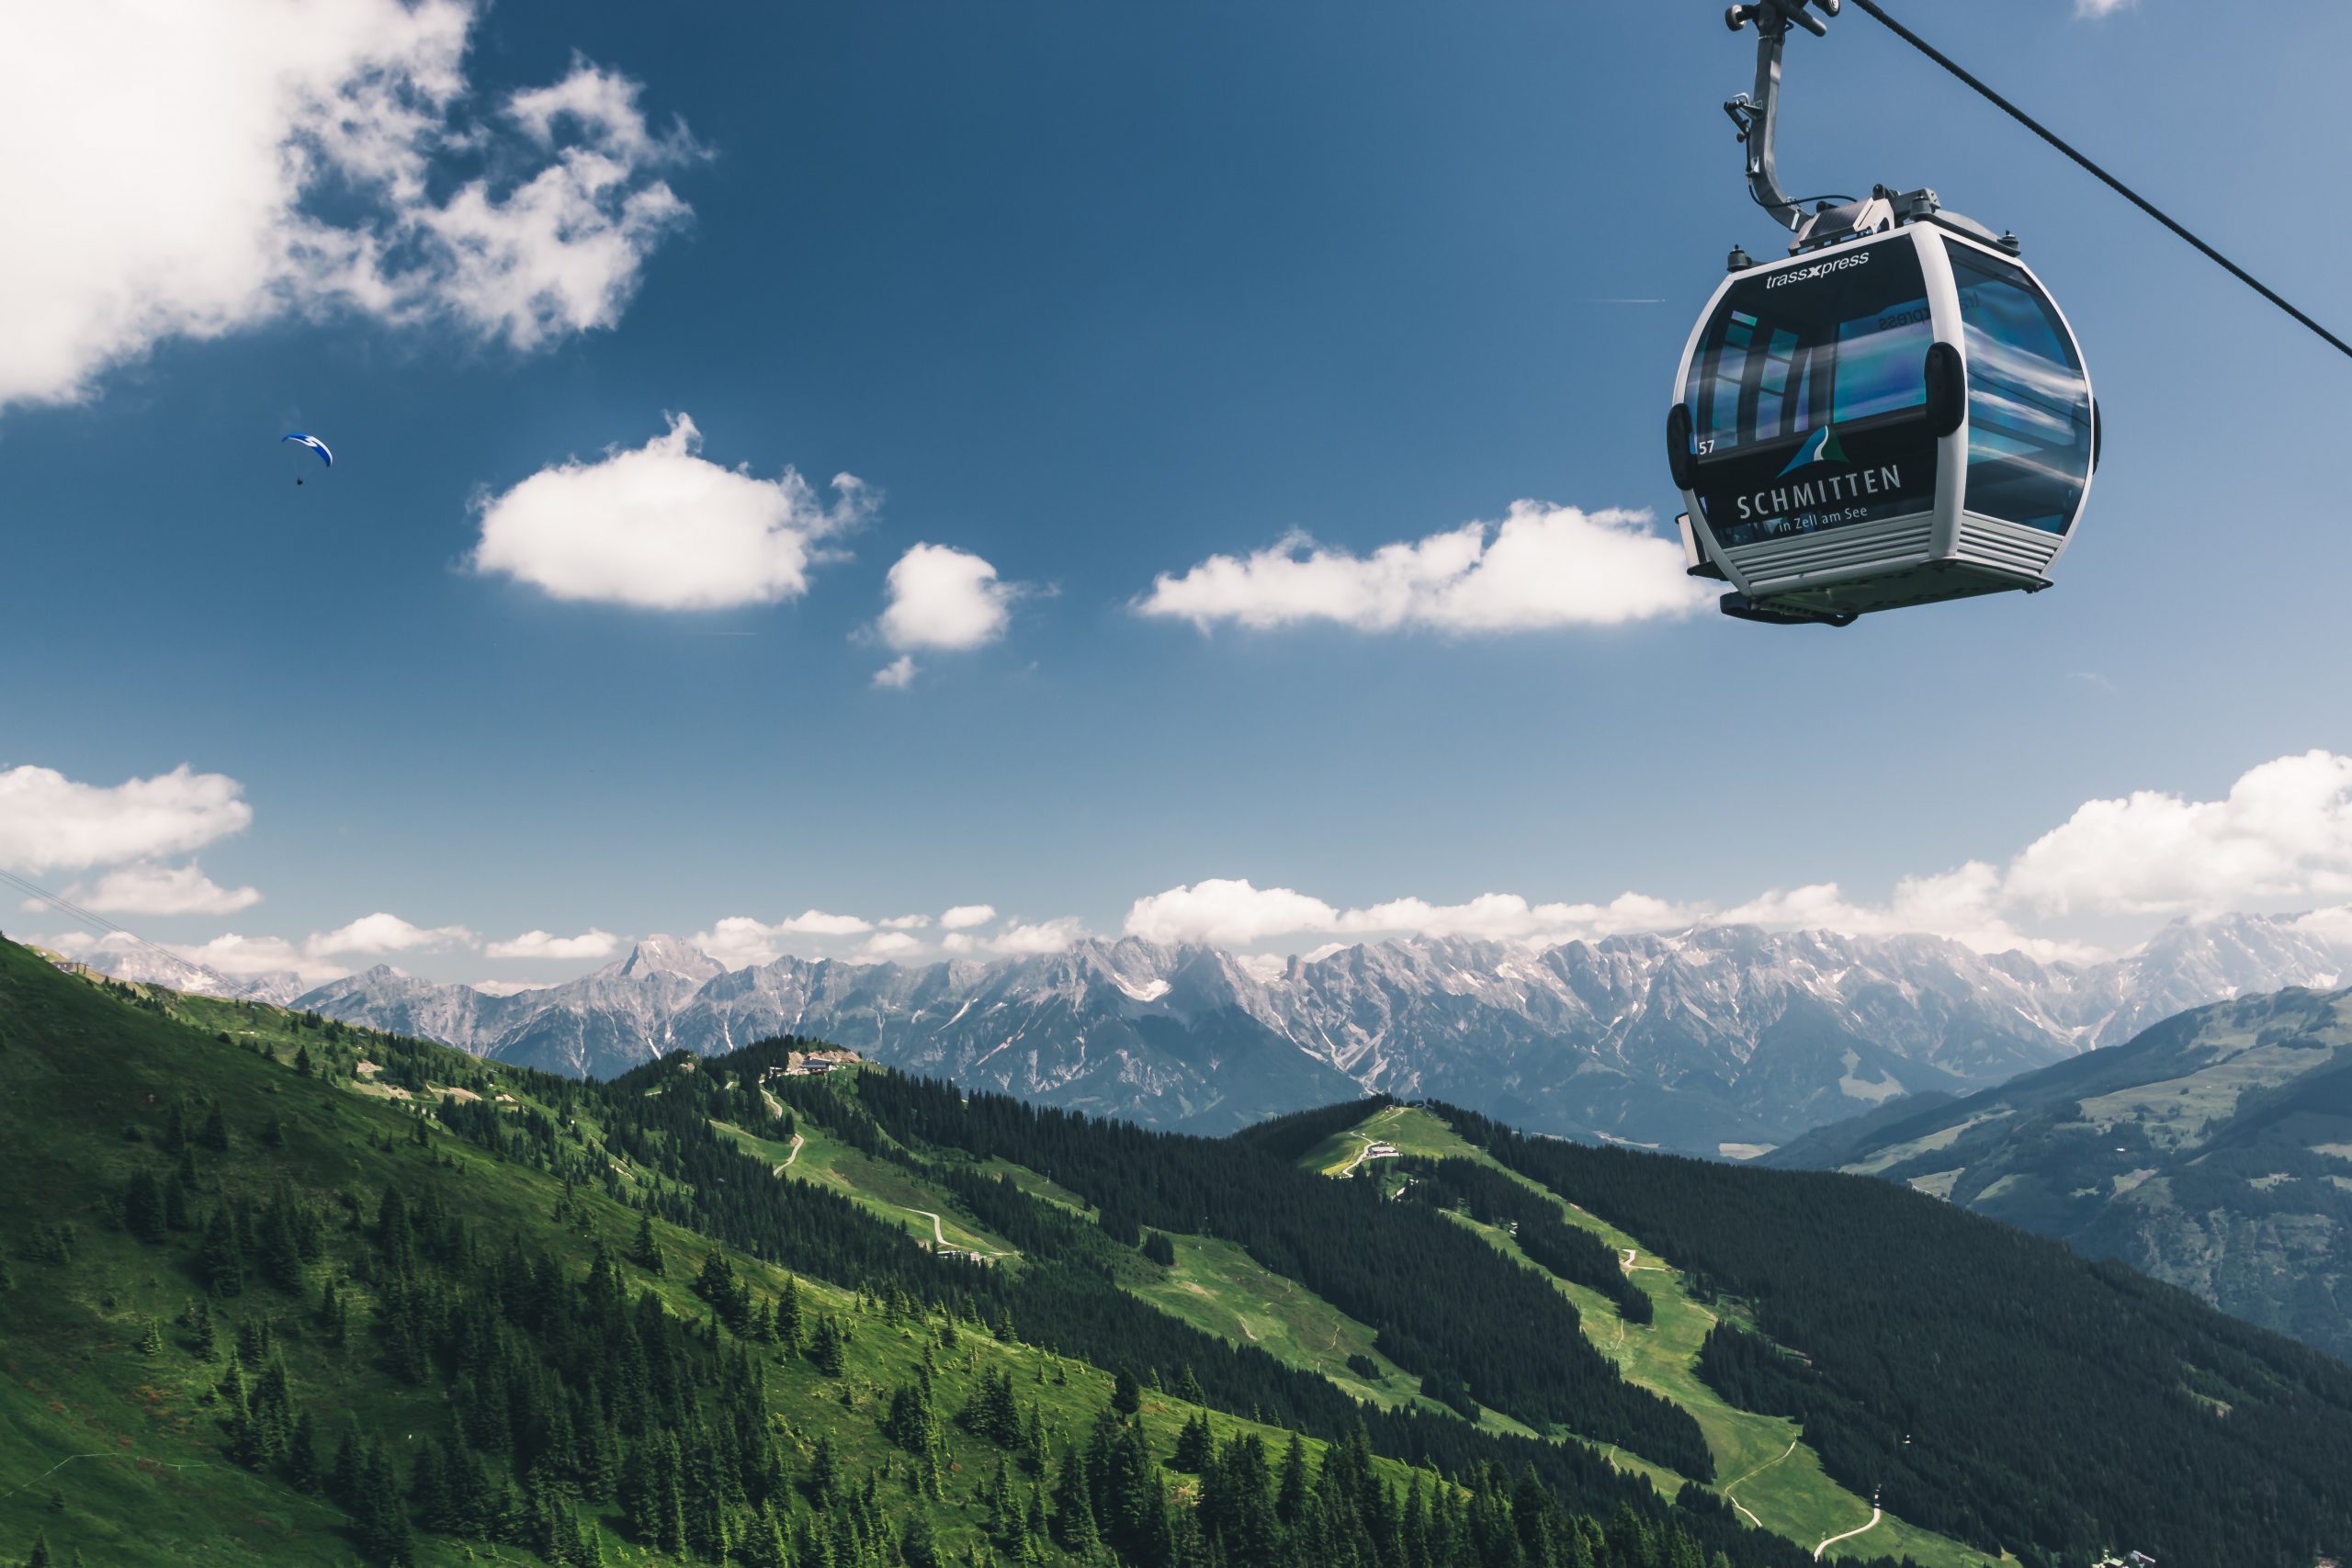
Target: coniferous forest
point(424, 1304)
point(1989, 1383)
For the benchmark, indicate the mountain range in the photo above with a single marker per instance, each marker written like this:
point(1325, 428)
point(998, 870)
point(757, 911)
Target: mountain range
point(2214, 1151)
point(1721, 1040)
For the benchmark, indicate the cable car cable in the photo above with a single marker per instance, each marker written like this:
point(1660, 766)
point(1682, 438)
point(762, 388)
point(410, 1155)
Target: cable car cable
point(2126, 192)
point(231, 990)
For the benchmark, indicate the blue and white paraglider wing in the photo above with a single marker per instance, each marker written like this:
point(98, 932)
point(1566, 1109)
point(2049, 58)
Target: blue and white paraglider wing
point(315, 443)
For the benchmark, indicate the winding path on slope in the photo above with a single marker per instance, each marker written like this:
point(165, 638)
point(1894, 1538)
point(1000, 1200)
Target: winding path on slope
point(789, 1158)
point(1876, 1513)
point(1752, 1475)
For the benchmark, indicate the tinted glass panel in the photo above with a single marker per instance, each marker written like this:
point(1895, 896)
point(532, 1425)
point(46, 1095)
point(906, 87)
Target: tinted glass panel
point(1836, 340)
point(2028, 405)
point(1805, 395)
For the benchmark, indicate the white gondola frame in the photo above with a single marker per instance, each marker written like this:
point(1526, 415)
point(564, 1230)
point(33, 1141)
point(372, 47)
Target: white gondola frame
point(1985, 554)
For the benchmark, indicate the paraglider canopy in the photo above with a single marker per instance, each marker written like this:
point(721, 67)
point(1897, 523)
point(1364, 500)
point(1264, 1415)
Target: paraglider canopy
point(315, 445)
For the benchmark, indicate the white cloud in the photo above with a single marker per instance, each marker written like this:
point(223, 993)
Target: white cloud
point(896, 675)
point(1019, 939)
point(945, 598)
point(737, 942)
point(146, 888)
point(1036, 937)
point(590, 943)
point(48, 820)
point(2100, 8)
point(1227, 911)
point(239, 957)
point(892, 945)
point(1234, 913)
point(2281, 839)
point(2282, 835)
point(200, 149)
point(816, 922)
point(741, 939)
point(1544, 566)
point(964, 915)
point(661, 527)
point(905, 922)
point(380, 932)
point(505, 987)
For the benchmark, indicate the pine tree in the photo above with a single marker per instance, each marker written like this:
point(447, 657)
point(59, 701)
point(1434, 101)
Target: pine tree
point(1126, 1394)
point(302, 1060)
point(788, 1318)
point(151, 1342)
point(143, 1206)
point(215, 1135)
point(1072, 1519)
point(646, 1251)
point(218, 1259)
point(1195, 1447)
point(826, 1348)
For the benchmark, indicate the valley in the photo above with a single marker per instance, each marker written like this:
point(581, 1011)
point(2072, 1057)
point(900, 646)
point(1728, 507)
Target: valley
point(1458, 1303)
point(1724, 1041)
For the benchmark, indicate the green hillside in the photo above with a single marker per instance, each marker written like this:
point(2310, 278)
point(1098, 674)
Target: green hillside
point(1763, 1466)
point(2213, 1152)
point(279, 1290)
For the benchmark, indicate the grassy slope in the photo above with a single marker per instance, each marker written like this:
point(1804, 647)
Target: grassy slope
point(1766, 1469)
point(128, 1441)
point(889, 1191)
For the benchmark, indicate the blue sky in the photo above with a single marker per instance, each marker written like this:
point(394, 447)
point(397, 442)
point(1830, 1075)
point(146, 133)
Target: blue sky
point(1082, 296)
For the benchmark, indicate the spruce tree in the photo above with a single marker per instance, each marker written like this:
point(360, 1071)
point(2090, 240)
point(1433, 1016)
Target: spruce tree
point(646, 1251)
point(218, 1259)
point(143, 1206)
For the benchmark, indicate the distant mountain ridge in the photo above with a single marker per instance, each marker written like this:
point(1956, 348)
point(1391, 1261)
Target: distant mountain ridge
point(2213, 1152)
point(1711, 1040)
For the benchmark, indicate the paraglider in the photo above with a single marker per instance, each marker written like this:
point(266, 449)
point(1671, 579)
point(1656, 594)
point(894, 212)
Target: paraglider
point(315, 445)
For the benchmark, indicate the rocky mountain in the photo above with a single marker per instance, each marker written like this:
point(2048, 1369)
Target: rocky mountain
point(2213, 1152)
point(1719, 1039)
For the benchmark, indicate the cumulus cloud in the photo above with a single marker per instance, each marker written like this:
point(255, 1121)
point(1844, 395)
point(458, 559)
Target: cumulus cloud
point(962, 916)
point(1235, 913)
point(941, 597)
point(945, 598)
point(2281, 839)
point(1031, 938)
point(904, 922)
point(590, 943)
point(661, 527)
point(381, 932)
point(49, 822)
point(2283, 834)
point(221, 167)
point(737, 942)
point(892, 945)
point(1542, 565)
point(237, 957)
point(2100, 8)
point(149, 889)
point(741, 939)
point(1227, 911)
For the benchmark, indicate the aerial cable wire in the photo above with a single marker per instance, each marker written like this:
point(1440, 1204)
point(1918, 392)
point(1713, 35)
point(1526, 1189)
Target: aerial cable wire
point(231, 990)
point(2117, 186)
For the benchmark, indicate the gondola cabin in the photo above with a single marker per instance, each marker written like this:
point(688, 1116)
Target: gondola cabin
point(1894, 419)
